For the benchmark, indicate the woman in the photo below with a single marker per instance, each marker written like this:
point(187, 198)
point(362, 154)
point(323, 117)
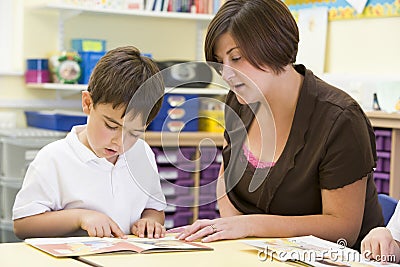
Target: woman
point(299, 153)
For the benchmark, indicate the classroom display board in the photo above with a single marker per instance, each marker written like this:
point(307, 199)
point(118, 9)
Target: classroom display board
point(349, 9)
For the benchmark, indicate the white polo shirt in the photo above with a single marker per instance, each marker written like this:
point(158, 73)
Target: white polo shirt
point(394, 223)
point(67, 175)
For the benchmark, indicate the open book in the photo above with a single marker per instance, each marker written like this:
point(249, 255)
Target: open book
point(80, 246)
point(309, 251)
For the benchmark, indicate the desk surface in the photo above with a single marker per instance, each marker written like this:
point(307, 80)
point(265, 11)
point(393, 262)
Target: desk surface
point(225, 253)
point(21, 254)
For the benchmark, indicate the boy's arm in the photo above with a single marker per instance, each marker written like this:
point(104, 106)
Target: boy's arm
point(66, 222)
point(151, 222)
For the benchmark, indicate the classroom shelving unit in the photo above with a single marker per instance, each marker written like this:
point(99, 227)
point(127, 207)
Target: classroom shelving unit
point(67, 11)
point(390, 121)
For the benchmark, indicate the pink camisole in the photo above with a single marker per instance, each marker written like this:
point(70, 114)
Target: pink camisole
point(254, 161)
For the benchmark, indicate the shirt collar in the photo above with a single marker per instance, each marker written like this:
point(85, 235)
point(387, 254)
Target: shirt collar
point(80, 150)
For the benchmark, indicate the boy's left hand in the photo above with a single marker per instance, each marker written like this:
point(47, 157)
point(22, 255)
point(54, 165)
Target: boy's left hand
point(148, 226)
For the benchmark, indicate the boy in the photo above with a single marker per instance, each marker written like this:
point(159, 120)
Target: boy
point(101, 178)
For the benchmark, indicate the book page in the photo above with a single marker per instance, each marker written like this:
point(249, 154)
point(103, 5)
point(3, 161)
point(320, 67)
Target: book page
point(164, 244)
point(80, 246)
point(309, 250)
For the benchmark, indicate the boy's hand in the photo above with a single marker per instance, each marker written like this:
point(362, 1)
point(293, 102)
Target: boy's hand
point(149, 226)
point(99, 224)
point(380, 245)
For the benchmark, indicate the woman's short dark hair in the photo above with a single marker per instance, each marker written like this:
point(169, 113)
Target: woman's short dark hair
point(264, 30)
point(116, 80)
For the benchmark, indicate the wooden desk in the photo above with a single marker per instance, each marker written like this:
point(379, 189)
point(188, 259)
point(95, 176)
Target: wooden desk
point(391, 121)
point(225, 253)
point(21, 255)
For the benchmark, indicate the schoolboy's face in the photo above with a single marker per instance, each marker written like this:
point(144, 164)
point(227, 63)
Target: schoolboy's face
point(108, 135)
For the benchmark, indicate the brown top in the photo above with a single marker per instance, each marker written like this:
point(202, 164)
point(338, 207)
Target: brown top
point(331, 144)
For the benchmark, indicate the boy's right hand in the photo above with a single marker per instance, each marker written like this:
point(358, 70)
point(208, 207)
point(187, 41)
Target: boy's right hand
point(380, 245)
point(100, 225)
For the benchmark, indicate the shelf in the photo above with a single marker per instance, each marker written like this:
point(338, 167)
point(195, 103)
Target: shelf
point(11, 73)
point(81, 87)
point(384, 119)
point(40, 104)
point(58, 86)
point(184, 138)
point(197, 91)
point(142, 13)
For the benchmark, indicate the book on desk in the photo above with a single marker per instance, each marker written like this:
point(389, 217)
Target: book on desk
point(310, 251)
point(82, 246)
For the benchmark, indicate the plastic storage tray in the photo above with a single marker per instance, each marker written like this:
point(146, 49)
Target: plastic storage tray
point(178, 113)
point(31, 132)
point(17, 153)
point(89, 61)
point(179, 188)
point(173, 173)
point(185, 201)
point(207, 202)
point(178, 219)
point(7, 233)
point(383, 140)
point(54, 120)
point(210, 173)
point(88, 45)
point(210, 154)
point(208, 214)
point(174, 155)
point(170, 209)
point(383, 162)
point(8, 190)
point(382, 182)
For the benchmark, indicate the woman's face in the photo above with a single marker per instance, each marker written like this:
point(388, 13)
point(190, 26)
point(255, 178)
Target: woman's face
point(249, 83)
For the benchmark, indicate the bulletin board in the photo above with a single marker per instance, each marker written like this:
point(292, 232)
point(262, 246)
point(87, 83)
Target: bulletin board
point(341, 9)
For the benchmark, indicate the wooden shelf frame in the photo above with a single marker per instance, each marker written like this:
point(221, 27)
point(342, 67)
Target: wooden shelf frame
point(192, 139)
point(140, 13)
point(390, 121)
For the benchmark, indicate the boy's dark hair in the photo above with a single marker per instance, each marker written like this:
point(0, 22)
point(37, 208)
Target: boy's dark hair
point(264, 30)
point(116, 80)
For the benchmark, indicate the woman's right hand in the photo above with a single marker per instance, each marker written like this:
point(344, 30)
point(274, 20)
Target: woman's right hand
point(98, 224)
point(380, 245)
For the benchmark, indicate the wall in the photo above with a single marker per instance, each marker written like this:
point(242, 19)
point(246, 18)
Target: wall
point(366, 47)
point(362, 58)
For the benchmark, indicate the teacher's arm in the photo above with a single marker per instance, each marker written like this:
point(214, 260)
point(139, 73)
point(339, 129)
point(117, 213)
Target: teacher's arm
point(341, 218)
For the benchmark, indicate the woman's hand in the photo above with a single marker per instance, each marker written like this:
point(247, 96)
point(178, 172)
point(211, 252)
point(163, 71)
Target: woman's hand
point(380, 245)
point(149, 226)
point(211, 230)
point(99, 224)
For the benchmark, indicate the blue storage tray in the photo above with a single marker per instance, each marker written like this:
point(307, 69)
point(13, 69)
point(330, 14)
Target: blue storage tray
point(88, 45)
point(169, 125)
point(189, 102)
point(54, 121)
point(89, 61)
point(174, 104)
